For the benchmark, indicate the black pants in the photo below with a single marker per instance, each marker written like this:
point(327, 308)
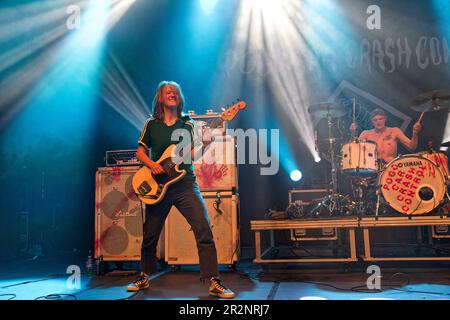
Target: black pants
point(186, 197)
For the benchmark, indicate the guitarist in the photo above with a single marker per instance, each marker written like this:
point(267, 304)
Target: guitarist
point(184, 195)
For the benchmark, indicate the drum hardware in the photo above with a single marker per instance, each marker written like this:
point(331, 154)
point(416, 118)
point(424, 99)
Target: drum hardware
point(410, 184)
point(359, 160)
point(296, 211)
point(333, 161)
point(333, 202)
point(445, 144)
point(354, 117)
point(326, 109)
point(361, 194)
point(431, 101)
point(377, 206)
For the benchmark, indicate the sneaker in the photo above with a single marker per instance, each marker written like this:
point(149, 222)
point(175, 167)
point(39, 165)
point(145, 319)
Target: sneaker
point(216, 288)
point(140, 283)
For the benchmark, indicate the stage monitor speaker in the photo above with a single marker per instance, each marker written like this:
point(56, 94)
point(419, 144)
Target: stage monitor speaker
point(180, 245)
point(118, 217)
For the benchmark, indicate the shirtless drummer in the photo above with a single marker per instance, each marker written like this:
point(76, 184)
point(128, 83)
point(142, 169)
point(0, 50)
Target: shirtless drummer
point(386, 138)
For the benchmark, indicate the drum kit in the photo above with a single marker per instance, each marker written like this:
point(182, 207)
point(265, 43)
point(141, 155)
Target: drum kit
point(410, 184)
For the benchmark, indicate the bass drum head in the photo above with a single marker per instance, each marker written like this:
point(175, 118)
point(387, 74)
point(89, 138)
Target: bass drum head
point(412, 184)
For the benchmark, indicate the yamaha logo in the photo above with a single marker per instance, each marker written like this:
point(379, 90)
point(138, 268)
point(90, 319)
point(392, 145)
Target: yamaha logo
point(410, 164)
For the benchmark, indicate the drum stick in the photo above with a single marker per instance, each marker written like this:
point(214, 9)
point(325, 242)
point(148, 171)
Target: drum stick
point(354, 108)
point(421, 116)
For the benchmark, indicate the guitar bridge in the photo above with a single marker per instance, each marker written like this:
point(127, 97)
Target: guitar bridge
point(144, 188)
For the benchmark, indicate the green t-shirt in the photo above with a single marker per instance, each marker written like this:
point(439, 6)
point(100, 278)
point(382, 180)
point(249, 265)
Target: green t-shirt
point(156, 136)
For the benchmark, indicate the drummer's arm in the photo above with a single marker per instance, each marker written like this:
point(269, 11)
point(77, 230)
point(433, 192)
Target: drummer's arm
point(363, 135)
point(411, 144)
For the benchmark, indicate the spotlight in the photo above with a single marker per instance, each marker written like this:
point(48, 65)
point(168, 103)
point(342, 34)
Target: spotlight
point(208, 5)
point(317, 158)
point(296, 175)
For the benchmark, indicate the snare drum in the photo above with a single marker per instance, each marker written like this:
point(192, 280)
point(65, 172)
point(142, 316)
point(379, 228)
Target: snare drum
point(359, 157)
point(440, 159)
point(412, 184)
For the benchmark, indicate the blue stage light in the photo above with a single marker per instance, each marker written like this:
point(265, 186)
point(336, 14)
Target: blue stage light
point(208, 5)
point(296, 175)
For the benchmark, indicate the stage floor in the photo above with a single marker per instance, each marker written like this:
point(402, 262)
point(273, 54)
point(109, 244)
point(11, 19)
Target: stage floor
point(46, 279)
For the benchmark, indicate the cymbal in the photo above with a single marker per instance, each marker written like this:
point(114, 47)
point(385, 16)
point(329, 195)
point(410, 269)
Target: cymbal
point(323, 110)
point(431, 101)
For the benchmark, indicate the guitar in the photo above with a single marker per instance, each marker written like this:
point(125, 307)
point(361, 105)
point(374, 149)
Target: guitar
point(151, 188)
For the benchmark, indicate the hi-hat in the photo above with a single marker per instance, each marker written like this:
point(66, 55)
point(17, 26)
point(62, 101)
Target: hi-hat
point(323, 110)
point(431, 101)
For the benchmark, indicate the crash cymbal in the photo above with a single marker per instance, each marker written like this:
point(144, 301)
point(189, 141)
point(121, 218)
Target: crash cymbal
point(323, 110)
point(431, 101)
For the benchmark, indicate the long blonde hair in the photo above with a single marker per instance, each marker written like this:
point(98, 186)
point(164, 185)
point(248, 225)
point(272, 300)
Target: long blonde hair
point(158, 104)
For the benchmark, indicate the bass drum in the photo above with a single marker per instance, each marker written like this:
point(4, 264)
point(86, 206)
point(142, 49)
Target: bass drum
point(412, 184)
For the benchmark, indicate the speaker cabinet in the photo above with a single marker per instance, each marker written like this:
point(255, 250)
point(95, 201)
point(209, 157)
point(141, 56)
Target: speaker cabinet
point(180, 245)
point(118, 217)
point(217, 169)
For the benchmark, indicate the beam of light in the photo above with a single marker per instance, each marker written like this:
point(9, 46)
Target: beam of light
point(208, 5)
point(277, 43)
point(78, 56)
point(28, 49)
point(57, 109)
point(121, 94)
point(33, 18)
point(117, 11)
point(14, 85)
point(41, 43)
point(272, 36)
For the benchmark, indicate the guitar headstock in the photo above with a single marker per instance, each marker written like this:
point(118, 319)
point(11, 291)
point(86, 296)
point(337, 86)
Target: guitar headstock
point(231, 112)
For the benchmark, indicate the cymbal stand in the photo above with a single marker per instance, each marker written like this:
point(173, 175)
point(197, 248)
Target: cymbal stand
point(333, 160)
point(363, 188)
point(333, 201)
point(358, 185)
